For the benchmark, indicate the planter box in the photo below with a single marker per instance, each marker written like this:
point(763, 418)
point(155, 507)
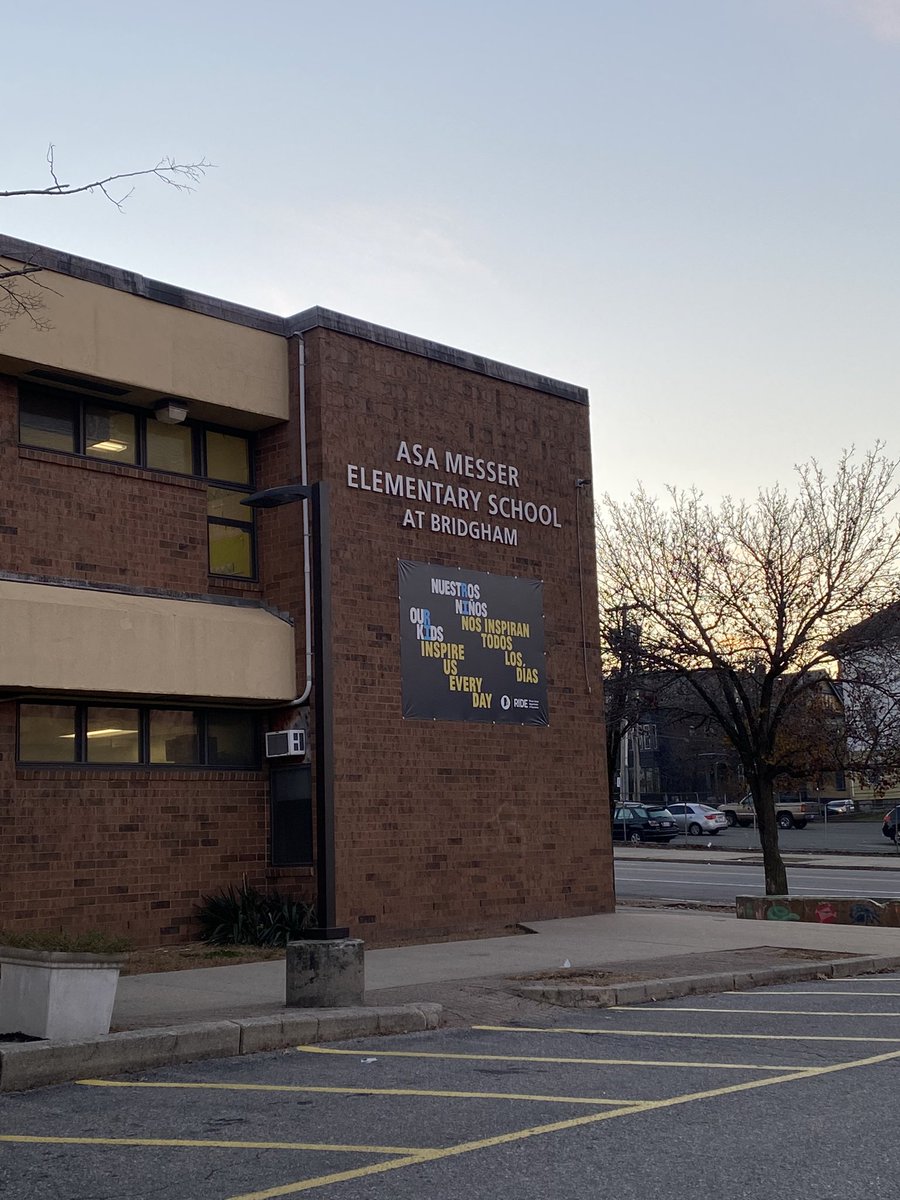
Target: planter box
point(55, 994)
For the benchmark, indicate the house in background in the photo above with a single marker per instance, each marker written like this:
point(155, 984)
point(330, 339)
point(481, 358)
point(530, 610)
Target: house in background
point(869, 679)
point(673, 754)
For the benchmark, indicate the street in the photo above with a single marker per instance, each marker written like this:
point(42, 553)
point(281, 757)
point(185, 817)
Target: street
point(849, 836)
point(719, 882)
point(742, 1094)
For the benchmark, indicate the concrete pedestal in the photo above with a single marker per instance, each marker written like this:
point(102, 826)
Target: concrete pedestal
point(325, 974)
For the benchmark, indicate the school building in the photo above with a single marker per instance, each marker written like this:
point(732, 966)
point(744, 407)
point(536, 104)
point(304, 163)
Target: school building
point(155, 631)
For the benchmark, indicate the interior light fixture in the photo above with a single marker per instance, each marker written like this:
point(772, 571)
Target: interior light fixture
point(92, 733)
point(113, 445)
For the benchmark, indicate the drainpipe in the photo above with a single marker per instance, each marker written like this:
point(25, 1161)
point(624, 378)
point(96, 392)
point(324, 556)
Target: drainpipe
point(303, 698)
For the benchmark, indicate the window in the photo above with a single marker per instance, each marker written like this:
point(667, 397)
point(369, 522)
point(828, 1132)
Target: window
point(56, 420)
point(112, 735)
point(230, 739)
point(647, 737)
point(650, 778)
point(170, 448)
point(110, 433)
point(103, 735)
point(47, 733)
point(174, 737)
point(230, 524)
point(48, 419)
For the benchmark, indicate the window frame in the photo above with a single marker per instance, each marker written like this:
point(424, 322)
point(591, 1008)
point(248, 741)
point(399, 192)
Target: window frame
point(144, 763)
point(80, 402)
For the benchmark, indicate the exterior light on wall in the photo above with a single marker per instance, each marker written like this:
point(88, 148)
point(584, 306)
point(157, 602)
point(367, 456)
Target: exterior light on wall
point(171, 412)
point(317, 495)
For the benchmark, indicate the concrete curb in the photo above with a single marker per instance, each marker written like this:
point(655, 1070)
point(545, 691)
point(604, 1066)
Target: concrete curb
point(35, 1064)
point(649, 990)
point(794, 859)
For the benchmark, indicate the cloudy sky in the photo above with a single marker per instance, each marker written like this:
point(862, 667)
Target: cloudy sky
point(691, 207)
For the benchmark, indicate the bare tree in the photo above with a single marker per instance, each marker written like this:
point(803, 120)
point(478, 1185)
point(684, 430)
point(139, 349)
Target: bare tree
point(623, 674)
point(743, 602)
point(22, 293)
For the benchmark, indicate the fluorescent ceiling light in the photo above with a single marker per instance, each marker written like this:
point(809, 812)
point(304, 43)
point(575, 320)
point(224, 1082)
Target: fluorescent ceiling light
point(111, 444)
point(101, 733)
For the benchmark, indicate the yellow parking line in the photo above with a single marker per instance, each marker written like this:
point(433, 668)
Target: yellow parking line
point(775, 1012)
point(757, 1037)
point(430, 1156)
point(830, 992)
point(206, 1144)
point(358, 1091)
point(584, 1062)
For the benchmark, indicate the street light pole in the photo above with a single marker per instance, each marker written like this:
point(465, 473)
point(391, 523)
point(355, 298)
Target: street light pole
point(317, 495)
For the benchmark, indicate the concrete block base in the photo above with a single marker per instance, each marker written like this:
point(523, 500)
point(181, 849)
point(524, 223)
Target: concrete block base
point(325, 974)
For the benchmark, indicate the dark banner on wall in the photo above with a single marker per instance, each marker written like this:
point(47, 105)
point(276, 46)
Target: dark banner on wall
point(471, 646)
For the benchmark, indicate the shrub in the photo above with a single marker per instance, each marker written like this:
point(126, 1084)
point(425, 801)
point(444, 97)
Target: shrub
point(92, 942)
point(245, 916)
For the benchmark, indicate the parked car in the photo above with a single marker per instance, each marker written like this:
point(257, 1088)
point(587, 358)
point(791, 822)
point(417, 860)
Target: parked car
point(637, 823)
point(889, 825)
point(790, 814)
point(697, 819)
point(838, 808)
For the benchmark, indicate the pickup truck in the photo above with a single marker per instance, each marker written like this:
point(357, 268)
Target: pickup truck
point(790, 814)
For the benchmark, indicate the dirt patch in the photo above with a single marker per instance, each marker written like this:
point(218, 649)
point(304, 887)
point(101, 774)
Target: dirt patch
point(684, 964)
point(195, 954)
point(198, 954)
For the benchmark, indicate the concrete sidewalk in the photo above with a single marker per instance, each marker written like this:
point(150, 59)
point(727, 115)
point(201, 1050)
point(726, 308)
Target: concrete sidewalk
point(219, 1012)
point(629, 936)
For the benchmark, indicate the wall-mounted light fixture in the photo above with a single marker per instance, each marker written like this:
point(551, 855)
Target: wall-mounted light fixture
point(171, 412)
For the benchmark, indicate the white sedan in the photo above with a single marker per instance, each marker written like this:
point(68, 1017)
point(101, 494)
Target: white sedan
point(697, 819)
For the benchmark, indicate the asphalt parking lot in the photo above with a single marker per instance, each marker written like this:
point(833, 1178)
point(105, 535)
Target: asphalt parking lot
point(785, 1091)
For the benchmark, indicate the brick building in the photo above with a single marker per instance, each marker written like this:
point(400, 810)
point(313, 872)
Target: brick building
point(154, 628)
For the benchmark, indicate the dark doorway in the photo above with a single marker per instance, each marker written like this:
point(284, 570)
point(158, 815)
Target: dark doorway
point(290, 808)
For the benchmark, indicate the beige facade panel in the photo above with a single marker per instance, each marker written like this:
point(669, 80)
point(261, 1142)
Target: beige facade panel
point(69, 639)
point(156, 349)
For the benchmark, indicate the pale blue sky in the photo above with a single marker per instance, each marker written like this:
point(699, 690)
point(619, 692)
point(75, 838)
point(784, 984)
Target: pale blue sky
point(688, 206)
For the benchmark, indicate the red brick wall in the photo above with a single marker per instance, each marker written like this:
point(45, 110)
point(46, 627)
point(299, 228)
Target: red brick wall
point(446, 825)
point(440, 827)
point(128, 851)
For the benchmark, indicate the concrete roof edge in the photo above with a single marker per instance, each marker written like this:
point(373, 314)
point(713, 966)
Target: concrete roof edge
point(138, 285)
point(109, 276)
point(326, 318)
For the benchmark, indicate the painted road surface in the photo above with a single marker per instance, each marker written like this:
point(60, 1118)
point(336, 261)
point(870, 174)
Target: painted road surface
point(719, 883)
point(788, 1091)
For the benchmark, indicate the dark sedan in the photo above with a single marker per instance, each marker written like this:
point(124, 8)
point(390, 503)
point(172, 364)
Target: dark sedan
point(637, 823)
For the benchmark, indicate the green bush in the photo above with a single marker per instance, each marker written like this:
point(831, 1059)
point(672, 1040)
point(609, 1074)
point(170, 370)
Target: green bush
point(245, 916)
point(92, 942)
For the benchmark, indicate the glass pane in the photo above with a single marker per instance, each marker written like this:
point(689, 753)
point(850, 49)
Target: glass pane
point(112, 735)
point(230, 551)
point(48, 420)
point(232, 739)
point(47, 733)
point(227, 457)
point(170, 448)
point(174, 737)
point(109, 434)
point(220, 502)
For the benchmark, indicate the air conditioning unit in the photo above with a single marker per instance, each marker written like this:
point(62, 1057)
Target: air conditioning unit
point(289, 743)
